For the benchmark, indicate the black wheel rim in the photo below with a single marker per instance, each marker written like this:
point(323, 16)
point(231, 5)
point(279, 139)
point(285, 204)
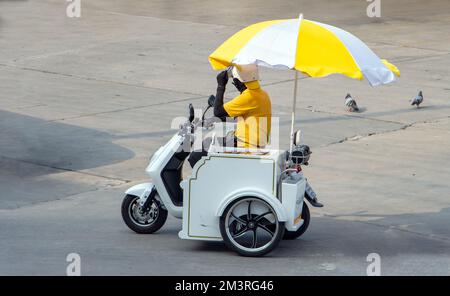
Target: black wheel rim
point(251, 225)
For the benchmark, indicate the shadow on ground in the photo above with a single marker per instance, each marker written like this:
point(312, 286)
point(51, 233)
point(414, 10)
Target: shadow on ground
point(57, 145)
point(42, 161)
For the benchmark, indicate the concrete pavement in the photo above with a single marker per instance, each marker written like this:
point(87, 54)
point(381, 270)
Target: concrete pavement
point(84, 102)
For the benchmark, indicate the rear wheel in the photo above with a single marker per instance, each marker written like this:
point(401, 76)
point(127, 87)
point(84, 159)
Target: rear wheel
point(250, 227)
point(141, 220)
point(306, 217)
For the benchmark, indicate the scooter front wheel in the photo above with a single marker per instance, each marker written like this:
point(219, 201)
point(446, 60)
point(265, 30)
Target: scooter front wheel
point(250, 226)
point(140, 220)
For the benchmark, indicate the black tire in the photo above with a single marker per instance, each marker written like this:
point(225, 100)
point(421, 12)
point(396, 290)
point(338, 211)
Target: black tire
point(273, 230)
point(306, 216)
point(129, 211)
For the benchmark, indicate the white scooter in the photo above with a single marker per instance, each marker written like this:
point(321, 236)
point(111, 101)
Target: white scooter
point(249, 200)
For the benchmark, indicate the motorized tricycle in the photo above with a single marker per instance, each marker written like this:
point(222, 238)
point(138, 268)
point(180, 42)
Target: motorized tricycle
point(249, 199)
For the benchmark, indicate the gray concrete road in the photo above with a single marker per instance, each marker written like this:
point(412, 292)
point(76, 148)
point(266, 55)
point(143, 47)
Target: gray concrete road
point(83, 102)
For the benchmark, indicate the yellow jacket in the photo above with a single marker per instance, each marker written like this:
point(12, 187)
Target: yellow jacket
point(254, 111)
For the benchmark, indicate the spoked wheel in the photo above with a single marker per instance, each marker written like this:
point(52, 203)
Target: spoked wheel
point(142, 220)
point(250, 227)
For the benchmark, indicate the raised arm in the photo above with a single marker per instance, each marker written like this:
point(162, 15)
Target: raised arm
point(219, 111)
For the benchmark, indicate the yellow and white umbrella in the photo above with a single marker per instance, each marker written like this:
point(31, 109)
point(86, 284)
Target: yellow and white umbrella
point(310, 47)
point(313, 48)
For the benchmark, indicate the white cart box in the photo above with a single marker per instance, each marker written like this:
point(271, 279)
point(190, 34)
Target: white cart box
point(217, 179)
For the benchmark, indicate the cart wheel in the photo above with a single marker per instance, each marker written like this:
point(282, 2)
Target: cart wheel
point(143, 220)
point(250, 227)
point(306, 217)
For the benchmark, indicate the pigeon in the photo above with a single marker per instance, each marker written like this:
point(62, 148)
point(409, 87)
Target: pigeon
point(417, 100)
point(351, 104)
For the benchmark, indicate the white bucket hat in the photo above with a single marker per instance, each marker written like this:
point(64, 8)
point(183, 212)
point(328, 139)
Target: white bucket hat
point(245, 73)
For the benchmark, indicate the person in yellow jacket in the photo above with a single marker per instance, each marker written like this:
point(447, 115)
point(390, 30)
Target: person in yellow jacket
point(252, 107)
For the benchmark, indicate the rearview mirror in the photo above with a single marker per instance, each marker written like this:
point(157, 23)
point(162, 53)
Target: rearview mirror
point(191, 113)
point(297, 138)
point(211, 100)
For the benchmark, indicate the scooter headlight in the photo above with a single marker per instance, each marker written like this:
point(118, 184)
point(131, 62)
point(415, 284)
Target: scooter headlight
point(300, 154)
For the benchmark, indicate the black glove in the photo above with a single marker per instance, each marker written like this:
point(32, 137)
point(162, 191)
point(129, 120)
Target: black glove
point(222, 78)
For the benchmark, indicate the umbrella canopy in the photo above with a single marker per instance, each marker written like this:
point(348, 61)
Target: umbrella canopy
point(313, 48)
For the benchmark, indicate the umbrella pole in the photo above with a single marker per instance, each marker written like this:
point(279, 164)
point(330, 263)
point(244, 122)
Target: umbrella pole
point(291, 143)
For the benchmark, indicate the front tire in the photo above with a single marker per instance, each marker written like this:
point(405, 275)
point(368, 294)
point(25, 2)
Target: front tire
point(306, 216)
point(144, 221)
point(250, 227)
